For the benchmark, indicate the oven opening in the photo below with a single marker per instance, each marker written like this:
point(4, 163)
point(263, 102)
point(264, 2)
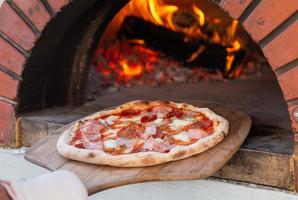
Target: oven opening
point(156, 50)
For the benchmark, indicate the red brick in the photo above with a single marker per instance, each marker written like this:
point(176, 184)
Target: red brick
point(11, 58)
point(7, 122)
point(58, 4)
point(289, 83)
point(293, 120)
point(8, 86)
point(267, 16)
point(13, 26)
point(235, 7)
point(35, 11)
point(284, 48)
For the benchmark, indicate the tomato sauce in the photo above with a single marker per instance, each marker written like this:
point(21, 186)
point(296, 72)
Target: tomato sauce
point(78, 136)
point(129, 113)
point(175, 113)
point(148, 118)
point(80, 146)
point(131, 131)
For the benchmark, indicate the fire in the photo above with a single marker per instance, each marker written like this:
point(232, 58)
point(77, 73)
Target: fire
point(115, 62)
point(231, 30)
point(131, 71)
point(235, 46)
point(161, 13)
point(152, 10)
point(200, 14)
point(118, 63)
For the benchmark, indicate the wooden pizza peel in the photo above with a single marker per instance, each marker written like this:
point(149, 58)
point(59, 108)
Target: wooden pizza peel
point(97, 178)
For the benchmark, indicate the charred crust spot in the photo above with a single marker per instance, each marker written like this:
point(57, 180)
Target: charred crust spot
point(179, 154)
point(145, 102)
point(165, 102)
point(91, 155)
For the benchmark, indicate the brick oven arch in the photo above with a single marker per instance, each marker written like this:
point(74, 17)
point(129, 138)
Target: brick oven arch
point(272, 25)
point(22, 39)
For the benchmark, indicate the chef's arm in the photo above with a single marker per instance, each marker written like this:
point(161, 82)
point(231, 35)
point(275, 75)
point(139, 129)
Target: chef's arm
point(4, 194)
point(59, 185)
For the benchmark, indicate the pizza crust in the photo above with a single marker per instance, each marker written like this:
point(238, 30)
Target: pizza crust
point(142, 158)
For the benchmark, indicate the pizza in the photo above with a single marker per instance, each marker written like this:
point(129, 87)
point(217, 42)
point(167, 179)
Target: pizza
point(143, 133)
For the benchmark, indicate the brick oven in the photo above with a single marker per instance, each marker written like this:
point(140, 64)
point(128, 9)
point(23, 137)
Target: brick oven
point(48, 46)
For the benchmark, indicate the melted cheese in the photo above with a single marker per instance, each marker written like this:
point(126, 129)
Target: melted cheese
point(158, 139)
point(158, 121)
point(110, 120)
point(182, 137)
point(178, 123)
point(101, 121)
point(131, 119)
point(110, 144)
point(111, 133)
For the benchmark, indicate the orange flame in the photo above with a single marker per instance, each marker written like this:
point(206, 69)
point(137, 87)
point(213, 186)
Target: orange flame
point(161, 13)
point(200, 14)
point(235, 44)
point(231, 30)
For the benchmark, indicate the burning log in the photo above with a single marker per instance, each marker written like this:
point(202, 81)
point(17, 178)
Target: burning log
point(193, 51)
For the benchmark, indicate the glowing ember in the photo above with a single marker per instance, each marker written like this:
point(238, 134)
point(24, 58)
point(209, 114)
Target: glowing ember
point(130, 63)
point(124, 61)
point(130, 71)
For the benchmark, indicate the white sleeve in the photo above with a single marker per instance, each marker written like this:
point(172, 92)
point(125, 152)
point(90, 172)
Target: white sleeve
point(59, 185)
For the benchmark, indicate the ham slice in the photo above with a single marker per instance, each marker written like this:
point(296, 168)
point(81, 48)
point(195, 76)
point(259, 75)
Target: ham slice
point(149, 131)
point(148, 144)
point(91, 130)
point(196, 134)
point(125, 142)
point(161, 111)
point(91, 127)
point(94, 145)
point(162, 146)
point(190, 114)
point(157, 145)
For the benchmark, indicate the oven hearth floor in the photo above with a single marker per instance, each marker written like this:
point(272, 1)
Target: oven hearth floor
point(265, 156)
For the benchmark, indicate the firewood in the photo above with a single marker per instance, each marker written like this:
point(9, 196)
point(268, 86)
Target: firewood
point(193, 51)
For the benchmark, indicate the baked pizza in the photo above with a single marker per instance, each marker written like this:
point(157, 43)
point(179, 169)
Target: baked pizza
point(143, 133)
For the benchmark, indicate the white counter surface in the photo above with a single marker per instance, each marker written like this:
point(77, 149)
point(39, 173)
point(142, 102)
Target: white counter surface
point(13, 167)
